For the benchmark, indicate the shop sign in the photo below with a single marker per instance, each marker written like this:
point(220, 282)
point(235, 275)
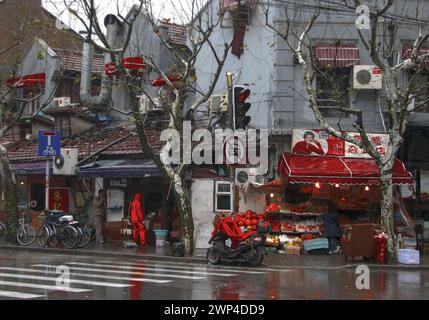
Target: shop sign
point(59, 199)
point(318, 142)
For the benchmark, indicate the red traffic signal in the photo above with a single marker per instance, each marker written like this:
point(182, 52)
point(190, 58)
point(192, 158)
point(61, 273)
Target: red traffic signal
point(241, 107)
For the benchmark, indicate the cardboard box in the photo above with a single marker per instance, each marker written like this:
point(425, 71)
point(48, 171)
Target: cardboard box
point(294, 251)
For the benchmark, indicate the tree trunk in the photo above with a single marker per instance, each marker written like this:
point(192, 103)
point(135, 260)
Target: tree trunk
point(8, 187)
point(387, 209)
point(183, 200)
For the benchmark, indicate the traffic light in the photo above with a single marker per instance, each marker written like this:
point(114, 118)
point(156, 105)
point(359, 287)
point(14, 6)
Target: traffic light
point(241, 107)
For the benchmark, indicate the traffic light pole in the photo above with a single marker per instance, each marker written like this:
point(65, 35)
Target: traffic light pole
point(230, 88)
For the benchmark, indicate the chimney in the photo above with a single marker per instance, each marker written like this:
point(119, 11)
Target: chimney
point(113, 26)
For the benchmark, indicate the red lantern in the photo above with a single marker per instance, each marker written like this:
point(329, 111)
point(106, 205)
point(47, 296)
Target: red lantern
point(134, 63)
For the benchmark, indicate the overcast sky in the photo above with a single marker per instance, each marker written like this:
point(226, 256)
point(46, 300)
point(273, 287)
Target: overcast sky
point(161, 8)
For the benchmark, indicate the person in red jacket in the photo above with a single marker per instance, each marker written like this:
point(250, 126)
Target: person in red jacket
point(137, 217)
point(308, 146)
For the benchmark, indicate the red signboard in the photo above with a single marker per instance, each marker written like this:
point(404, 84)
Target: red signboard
point(59, 199)
point(318, 142)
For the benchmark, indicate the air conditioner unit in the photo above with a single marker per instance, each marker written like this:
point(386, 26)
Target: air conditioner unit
point(244, 175)
point(145, 105)
point(367, 77)
point(217, 103)
point(62, 101)
point(66, 163)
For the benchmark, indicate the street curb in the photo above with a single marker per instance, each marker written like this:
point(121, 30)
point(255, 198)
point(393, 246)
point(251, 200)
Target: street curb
point(103, 253)
point(202, 260)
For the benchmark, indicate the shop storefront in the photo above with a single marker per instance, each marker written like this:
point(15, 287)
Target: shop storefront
point(122, 180)
point(321, 171)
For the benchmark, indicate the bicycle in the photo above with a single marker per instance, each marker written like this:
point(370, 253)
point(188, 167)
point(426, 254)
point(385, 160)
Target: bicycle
point(26, 233)
point(59, 229)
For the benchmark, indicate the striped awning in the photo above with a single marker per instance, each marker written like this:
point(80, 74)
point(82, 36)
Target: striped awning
point(337, 55)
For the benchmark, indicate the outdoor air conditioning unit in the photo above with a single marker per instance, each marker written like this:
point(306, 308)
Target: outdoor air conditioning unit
point(217, 103)
point(146, 105)
point(367, 77)
point(62, 101)
point(244, 175)
point(66, 163)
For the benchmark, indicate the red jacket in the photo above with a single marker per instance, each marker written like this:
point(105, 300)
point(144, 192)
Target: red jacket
point(136, 209)
point(303, 147)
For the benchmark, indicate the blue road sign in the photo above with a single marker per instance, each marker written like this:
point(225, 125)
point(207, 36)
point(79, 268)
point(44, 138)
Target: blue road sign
point(49, 143)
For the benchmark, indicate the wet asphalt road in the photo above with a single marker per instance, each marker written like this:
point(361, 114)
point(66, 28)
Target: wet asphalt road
point(36, 276)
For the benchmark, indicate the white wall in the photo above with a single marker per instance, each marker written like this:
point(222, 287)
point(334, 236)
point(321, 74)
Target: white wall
point(251, 199)
point(202, 211)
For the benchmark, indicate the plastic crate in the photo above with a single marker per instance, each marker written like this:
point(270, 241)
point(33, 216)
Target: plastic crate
point(408, 256)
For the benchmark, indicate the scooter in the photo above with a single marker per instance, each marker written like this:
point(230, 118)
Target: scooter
point(249, 248)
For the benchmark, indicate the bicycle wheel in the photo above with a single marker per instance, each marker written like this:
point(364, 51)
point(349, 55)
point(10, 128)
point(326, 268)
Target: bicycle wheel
point(26, 234)
point(85, 237)
point(43, 234)
point(91, 227)
point(69, 237)
point(54, 238)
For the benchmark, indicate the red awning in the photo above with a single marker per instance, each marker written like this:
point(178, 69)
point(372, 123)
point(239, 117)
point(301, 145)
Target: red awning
point(337, 55)
point(341, 170)
point(27, 81)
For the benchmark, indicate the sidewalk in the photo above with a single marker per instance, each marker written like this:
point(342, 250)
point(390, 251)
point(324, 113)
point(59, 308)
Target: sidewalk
point(272, 260)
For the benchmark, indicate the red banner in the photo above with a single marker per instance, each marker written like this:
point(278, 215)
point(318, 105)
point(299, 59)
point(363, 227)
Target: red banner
point(59, 199)
point(318, 142)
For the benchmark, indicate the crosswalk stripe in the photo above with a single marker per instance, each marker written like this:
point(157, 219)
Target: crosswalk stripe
point(191, 267)
point(41, 286)
point(209, 266)
point(91, 283)
point(152, 269)
point(125, 272)
point(86, 275)
point(19, 295)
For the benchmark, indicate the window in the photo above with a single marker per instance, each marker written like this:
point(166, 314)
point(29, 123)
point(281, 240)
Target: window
point(223, 196)
point(63, 124)
point(333, 87)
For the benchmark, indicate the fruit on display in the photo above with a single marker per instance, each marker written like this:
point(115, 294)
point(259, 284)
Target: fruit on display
point(248, 220)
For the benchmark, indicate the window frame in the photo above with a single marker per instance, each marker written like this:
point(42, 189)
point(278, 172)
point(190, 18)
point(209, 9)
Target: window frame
point(324, 109)
point(222, 193)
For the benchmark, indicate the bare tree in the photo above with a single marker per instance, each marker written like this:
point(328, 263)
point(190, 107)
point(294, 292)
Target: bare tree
point(399, 97)
point(178, 82)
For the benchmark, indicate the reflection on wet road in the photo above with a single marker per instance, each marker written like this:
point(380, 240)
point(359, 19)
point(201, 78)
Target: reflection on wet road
point(36, 276)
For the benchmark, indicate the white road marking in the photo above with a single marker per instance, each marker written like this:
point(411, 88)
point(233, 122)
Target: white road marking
point(209, 266)
point(87, 275)
point(41, 286)
point(19, 295)
point(91, 283)
point(152, 269)
point(142, 264)
point(125, 272)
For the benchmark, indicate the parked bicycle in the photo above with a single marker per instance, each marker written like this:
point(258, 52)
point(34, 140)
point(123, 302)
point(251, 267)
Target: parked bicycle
point(26, 233)
point(60, 229)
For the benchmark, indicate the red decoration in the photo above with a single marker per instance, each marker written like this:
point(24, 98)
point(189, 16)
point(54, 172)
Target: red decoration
point(111, 69)
point(161, 82)
point(134, 63)
point(380, 252)
point(59, 199)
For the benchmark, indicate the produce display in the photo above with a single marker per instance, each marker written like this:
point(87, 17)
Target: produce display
point(306, 208)
point(248, 220)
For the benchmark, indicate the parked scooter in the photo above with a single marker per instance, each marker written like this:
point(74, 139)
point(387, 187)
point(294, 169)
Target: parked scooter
point(246, 247)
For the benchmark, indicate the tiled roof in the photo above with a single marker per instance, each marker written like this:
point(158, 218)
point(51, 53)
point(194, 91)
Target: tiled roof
point(72, 60)
point(91, 142)
point(176, 33)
